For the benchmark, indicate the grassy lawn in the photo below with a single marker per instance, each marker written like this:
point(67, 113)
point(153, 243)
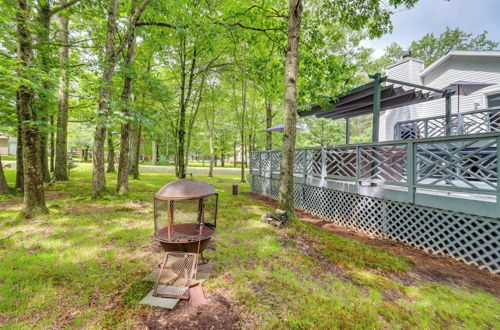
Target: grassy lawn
point(81, 266)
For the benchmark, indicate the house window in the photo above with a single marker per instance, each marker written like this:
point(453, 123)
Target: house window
point(493, 100)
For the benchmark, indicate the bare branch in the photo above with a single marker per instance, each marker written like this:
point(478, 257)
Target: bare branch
point(155, 24)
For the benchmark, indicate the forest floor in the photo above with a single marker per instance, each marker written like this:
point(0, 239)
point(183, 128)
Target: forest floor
point(82, 265)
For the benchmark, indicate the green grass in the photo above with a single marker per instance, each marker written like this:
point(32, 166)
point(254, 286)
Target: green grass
point(8, 157)
point(82, 265)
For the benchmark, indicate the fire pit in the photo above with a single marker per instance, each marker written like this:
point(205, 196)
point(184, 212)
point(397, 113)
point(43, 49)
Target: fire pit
point(185, 214)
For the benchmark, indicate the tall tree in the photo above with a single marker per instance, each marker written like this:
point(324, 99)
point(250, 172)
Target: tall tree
point(43, 102)
point(123, 161)
point(110, 60)
point(291, 68)
point(373, 15)
point(61, 166)
point(34, 195)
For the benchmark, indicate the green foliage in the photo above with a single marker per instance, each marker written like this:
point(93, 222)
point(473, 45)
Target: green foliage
point(432, 47)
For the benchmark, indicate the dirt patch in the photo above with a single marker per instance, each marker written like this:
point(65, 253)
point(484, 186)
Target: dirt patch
point(218, 313)
point(428, 267)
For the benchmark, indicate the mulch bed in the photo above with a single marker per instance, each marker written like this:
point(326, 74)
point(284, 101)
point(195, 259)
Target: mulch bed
point(427, 267)
point(218, 313)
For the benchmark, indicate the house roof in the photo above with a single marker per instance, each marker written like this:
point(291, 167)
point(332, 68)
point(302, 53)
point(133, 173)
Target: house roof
point(476, 53)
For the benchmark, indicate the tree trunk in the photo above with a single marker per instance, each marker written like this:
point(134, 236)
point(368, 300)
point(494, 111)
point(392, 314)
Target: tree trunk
point(98, 177)
point(61, 165)
point(291, 69)
point(185, 96)
point(157, 159)
point(34, 196)
point(212, 155)
point(19, 150)
point(235, 154)
point(43, 102)
point(222, 160)
point(154, 150)
point(132, 148)
point(111, 154)
point(135, 173)
point(192, 120)
point(4, 187)
point(123, 163)
point(269, 123)
point(242, 129)
point(52, 145)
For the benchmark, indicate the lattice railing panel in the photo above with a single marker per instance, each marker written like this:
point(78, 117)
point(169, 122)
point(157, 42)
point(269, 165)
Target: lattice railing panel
point(436, 127)
point(463, 164)
point(265, 162)
point(468, 238)
point(314, 161)
point(298, 163)
point(275, 161)
point(341, 162)
point(384, 163)
point(254, 160)
point(473, 122)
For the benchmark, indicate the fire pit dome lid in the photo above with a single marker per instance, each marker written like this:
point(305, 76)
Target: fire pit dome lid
point(184, 189)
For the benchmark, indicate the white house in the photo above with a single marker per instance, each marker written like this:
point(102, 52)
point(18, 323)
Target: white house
point(473, 66)
point(8, 145)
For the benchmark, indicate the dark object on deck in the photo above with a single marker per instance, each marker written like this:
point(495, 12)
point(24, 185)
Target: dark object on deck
point(277, 218)
point(179, 209)
point(235, 189)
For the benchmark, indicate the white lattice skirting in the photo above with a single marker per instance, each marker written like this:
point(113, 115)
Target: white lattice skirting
point(468, 238)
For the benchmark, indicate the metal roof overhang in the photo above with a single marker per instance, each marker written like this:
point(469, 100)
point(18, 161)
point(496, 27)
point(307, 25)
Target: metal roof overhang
point(360, 101)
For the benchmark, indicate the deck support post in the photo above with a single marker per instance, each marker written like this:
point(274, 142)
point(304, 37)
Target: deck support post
point(376, 105)
point(411, 174)
point(347, 130)
point(448, 93)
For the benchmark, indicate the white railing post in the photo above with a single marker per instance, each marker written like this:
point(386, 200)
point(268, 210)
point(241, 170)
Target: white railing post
point(304, 165)
point(323, 162)
point(412, 171)
point(358, 166)
point(498, 174)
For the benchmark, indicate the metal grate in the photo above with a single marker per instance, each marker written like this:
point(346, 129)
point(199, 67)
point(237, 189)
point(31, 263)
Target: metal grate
point(468, 238)
point(177, 273)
